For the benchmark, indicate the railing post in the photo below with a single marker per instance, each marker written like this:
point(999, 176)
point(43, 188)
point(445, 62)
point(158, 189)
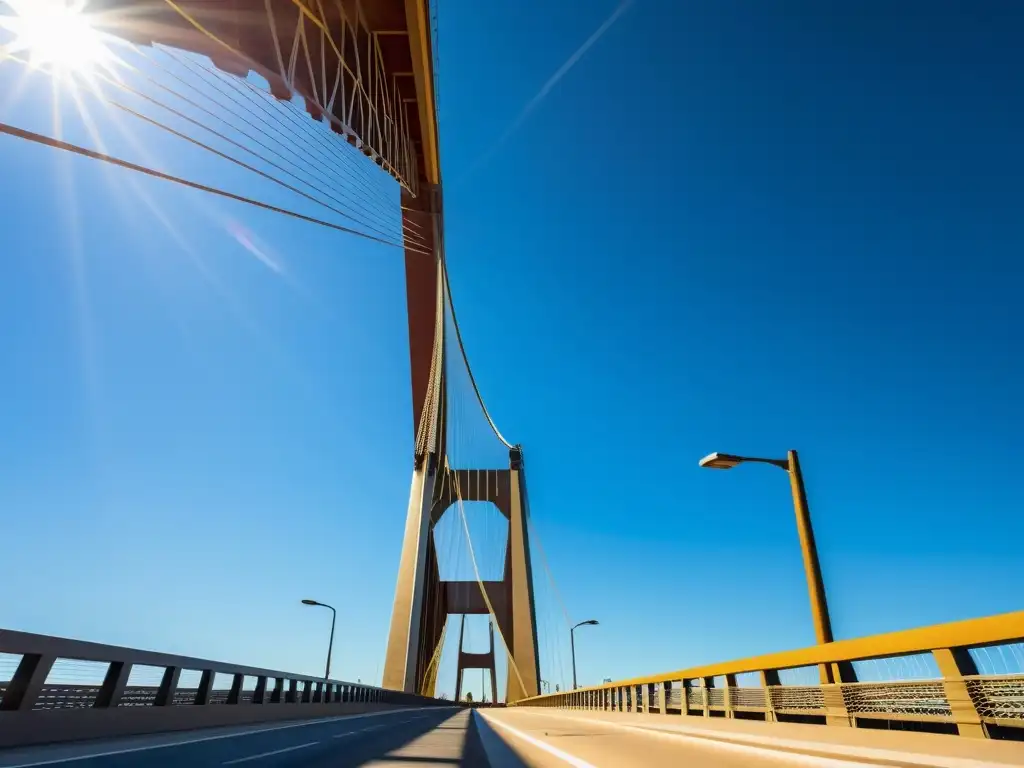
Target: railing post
point(769, 677)
point(954, 664)
point(235, 694)
point(664, 688)
point(835, 704)
point(705, 699)
point(168, 687)
point(27, 681)
point(318, 693)
point(293, 688)
point(205, 687)
point(278, 693)
point(113, 685)
point(730, 683)
point(259, 696)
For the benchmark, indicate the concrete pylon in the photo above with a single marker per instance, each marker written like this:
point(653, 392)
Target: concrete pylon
point(423, 602)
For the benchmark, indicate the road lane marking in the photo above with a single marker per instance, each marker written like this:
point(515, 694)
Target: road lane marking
point(563, 756)
point(361, 730)
point(270, 754)
point(200, 739)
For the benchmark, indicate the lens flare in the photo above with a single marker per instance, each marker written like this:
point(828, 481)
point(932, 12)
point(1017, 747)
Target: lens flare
point(57, 34)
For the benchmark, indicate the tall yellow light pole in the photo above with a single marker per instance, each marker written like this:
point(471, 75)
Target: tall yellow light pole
point(812, 568)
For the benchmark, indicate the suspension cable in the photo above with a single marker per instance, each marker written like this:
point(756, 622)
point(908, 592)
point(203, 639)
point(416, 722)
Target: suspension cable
point(378, 217)
point(37, 138)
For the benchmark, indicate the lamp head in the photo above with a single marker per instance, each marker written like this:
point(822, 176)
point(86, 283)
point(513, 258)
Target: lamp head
point(720, 461)
point(592, 622)
point(310, 602)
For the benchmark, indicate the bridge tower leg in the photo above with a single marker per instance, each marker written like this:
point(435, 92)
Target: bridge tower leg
point(524, 674)
point(416, 620)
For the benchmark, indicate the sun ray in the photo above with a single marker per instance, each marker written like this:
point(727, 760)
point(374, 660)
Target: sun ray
point(59, 33)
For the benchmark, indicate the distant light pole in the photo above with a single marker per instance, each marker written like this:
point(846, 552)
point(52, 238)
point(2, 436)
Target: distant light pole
point(812, 568)
point(330, 644)
point(572, 643)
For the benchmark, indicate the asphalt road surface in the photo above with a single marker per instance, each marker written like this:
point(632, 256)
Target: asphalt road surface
point(493, 738)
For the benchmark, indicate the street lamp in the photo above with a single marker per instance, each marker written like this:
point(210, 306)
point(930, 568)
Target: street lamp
point(572, 643)
point(330, 644)
point(812, 569)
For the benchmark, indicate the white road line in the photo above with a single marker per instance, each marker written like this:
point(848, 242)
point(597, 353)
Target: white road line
point(271, 753)
point(200, 739)
point(362, 730)
point(373, 728)
point(563, 756)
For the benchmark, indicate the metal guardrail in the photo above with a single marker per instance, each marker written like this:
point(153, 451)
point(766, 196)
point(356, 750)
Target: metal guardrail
point(958, 700)
point(37, 706)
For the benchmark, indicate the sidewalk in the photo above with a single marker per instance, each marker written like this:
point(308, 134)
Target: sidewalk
point(882, 747)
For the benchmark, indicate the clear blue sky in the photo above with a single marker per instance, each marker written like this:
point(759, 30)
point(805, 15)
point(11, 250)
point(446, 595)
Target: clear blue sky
point(728, 227)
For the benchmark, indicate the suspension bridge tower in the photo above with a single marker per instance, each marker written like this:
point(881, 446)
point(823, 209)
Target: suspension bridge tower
point(423, 601)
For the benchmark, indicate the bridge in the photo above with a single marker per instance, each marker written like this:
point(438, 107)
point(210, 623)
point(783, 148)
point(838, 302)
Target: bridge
point(363, 71)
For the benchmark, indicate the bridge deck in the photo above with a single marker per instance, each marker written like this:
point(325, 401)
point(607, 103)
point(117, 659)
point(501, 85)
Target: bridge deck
point(513, 738)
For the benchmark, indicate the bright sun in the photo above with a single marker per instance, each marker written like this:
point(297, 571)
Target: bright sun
point(56, 33)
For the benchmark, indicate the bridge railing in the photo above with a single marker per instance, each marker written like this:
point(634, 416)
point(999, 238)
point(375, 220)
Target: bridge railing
point(948, 694)
point(57, 689)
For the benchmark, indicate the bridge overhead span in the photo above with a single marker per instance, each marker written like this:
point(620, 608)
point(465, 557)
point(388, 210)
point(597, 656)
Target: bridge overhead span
point(58, 689)
point(933, 684)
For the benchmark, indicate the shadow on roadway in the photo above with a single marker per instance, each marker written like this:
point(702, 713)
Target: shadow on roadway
point(449, 739)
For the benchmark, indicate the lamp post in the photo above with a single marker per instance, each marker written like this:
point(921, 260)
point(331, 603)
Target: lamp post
point(812, 568)
point(330, 644)
point(572, 643)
